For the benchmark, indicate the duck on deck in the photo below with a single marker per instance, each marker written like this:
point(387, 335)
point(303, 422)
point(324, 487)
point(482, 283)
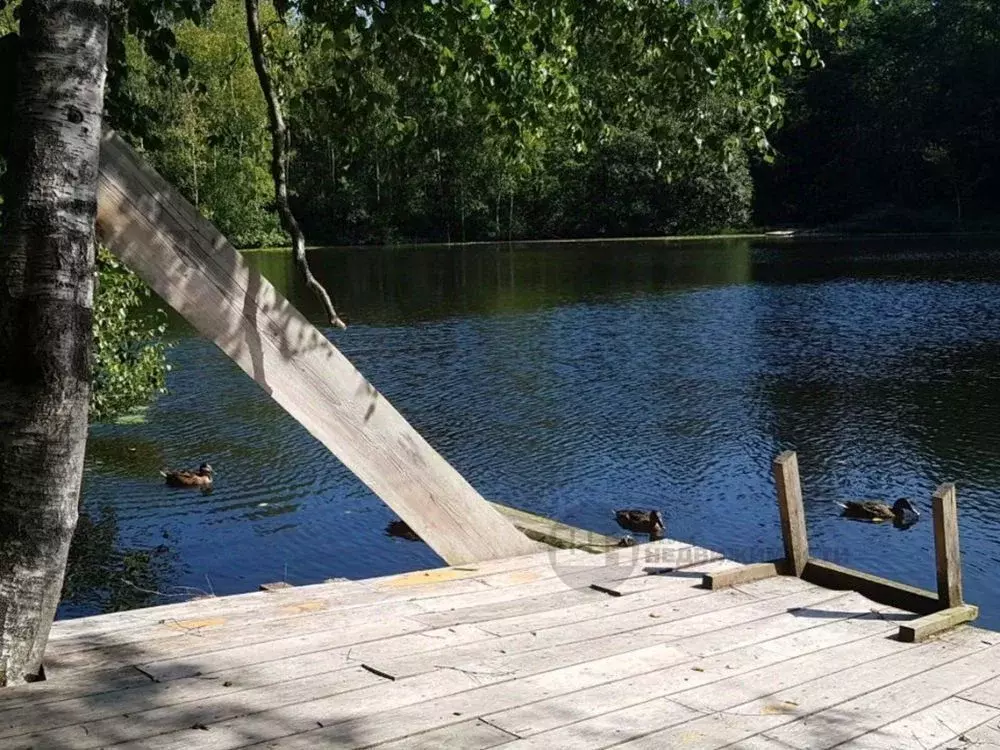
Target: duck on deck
point(560, 649)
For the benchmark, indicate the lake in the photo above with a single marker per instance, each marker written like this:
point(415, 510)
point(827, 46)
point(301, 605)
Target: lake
point(569, 379)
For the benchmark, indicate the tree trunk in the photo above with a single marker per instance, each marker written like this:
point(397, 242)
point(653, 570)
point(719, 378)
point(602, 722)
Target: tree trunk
point(46, 301)
point(279, 164)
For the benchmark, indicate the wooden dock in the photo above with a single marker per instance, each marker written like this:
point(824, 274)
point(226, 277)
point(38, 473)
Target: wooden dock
point(560, 649)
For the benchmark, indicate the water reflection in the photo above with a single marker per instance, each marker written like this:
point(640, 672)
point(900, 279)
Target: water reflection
point(569, 379)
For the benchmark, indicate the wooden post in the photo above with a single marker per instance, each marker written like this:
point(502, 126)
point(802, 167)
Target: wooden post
point(949, 563)
point(793, 518)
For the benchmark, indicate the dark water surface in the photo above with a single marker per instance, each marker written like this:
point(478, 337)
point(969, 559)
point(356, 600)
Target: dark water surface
point(569, 379)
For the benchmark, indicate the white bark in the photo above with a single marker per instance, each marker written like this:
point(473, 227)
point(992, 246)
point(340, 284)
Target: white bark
point(46, 300)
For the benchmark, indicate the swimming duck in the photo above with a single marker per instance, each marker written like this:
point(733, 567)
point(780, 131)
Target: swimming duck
point(186, 478)
point(901, 512)
point(402, 530)
point(642, 522)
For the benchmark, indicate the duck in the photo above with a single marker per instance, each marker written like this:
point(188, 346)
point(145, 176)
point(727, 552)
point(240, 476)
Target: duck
point(642, 522)
point(402, 530)
point(187, 478)
point(902, 511)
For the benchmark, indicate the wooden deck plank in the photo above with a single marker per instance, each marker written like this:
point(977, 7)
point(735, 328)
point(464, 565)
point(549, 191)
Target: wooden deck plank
point(866, 666)
point(734, 723)
point(356, 716)
point(714, 656)
point(603, 635)
point(943, 722)
point(317, 647)
point(984, 737)
point(205, 685)
point(608, 729)
point(693, 572)
point(854, 717)
point(191, 266)
point(469, 735)
point(988, 693)
point(427, 715)
point(341, 629)
point(100, 723)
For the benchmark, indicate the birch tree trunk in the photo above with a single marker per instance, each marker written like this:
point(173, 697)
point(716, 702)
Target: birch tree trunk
point(46, 300)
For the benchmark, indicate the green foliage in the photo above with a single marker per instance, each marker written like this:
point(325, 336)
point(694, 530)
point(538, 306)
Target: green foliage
point(899, 131)
point(129, 364)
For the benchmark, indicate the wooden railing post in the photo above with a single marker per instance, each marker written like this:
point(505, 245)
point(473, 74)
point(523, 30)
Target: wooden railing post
point(952, 609)
point(793, 518)
point(949, 563)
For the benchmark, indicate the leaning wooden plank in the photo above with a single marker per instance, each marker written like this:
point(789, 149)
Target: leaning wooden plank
point(164, 240)
point(882, 590)
point(942, 722)
point(745, 574)
point(928, 625)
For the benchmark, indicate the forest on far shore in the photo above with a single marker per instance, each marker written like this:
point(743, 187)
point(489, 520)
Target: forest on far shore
point(898, 130)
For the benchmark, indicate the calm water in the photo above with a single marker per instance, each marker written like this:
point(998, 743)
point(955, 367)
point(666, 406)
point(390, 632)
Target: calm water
point(573, 378)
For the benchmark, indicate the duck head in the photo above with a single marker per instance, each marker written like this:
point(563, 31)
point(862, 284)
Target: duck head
point(904, 510)
point(657, 527)
point(205, 470)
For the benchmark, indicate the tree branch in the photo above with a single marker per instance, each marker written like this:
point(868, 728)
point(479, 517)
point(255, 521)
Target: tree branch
point(279, 155)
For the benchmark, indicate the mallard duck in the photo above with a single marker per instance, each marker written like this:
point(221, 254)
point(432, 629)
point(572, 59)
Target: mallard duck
point(402, 530)
point(187, 478)
point(642, 522)
point(901, 512)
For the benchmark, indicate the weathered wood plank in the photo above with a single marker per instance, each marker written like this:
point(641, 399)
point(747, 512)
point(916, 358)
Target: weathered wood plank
point(984, 737)
point(349, 692)
point(693, 573)
point(946, 547)
point(942, 722)
point(843, 672)
point(926, 626)
point(431, 714)
point(743, 574)
point(864, 713)
point(656, 661)
point(525, 653)
point(343, 627)
point(793, 517)
point(469, 735)
point(720, 655)
point(199, 683)
point(988, 692)
point(164, 240)
point(735, 723)
point(600, 730)
point(878, 589)
point(387, 639)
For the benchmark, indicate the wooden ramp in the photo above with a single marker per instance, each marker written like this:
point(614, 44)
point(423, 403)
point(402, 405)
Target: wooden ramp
point(561, 649)
point(166, 242)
